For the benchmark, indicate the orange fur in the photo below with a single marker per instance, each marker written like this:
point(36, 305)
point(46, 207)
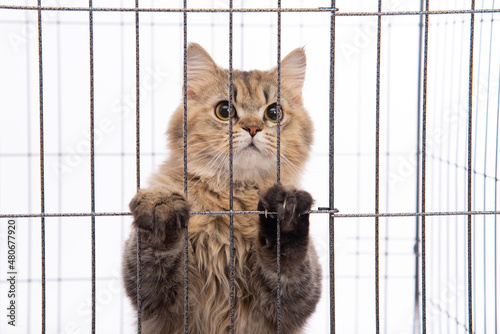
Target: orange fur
point(208, 184)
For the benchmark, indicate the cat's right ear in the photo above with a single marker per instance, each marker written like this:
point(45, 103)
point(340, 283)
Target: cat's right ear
point(200, 69)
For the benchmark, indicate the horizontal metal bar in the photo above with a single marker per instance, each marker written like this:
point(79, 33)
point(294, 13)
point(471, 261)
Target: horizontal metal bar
point(108, 214)
point(70, 214)
point(333, 212)
point(252, 10)
point(417, 214)
point(72, 154)
point(253, 212)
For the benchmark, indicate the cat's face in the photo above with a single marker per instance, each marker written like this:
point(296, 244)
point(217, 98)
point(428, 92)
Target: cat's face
point(254, 120)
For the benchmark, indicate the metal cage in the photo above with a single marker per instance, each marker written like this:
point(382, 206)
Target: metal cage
point(407, 97)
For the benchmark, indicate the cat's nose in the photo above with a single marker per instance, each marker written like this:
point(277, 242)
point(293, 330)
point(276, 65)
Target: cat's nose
point(253, 130)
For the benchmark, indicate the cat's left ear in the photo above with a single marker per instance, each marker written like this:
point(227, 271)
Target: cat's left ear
point(293, 71)
point(200, 69)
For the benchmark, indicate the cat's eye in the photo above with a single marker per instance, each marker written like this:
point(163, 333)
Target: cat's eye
point(271, 113)
point(222, 111)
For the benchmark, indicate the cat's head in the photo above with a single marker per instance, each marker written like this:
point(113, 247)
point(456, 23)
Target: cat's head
point(254, 120)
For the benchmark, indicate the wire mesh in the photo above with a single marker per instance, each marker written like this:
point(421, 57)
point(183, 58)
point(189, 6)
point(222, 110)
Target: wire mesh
point(468, 256)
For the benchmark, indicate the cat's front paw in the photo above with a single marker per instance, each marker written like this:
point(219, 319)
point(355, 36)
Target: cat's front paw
point(162, 214)
point(287, 205)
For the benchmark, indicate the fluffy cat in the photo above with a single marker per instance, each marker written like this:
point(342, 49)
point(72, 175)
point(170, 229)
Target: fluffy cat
point(161, 212)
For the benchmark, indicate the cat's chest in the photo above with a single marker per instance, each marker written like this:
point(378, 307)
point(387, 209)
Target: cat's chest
point(246, 202)
point(210, 264)
point(207, 200)
point(210, 235)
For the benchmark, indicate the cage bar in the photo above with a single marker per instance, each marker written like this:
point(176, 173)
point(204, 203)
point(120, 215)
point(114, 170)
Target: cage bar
point(377, 172)
point(184, 143)
point(42, 163)
point(424, 169)
point(469, 169)
point(138, 163)
point(92, 163)
point(331, 158)
point(230, 129)
point(253, 10)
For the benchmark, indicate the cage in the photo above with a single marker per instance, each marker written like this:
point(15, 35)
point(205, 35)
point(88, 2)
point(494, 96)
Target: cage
point(405, 99)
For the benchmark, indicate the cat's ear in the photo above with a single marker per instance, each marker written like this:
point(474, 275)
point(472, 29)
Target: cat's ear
point(200, 69)
point(293, 71)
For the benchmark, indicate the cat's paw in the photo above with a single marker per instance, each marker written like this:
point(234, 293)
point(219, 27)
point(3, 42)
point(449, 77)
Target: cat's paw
point(160, 213)
point(287, 205)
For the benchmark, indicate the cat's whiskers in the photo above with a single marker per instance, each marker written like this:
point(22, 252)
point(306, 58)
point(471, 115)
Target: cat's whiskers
point(204, 152)
point(203, 155)
point(285, 142)
point(191, 138)
point(210, 134)
point(293, 167)
point(209, 155)
point(196, 152)
point(190, 132)
point(288, 148)
point(219, 169)
point(221, 155)
point(199, 179)
point(189, 145)
point(286, 160)
point(207, 165)
point(269, 147)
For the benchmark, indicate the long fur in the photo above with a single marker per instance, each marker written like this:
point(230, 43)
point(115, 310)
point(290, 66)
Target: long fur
point(161, 211)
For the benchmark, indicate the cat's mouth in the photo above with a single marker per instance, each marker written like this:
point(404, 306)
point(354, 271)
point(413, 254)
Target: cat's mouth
point(251, 147)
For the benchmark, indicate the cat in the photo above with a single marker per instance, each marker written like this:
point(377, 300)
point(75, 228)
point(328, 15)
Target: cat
point(161, 212)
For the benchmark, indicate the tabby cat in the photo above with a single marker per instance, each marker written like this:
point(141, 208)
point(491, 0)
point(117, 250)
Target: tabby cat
point(161, 212)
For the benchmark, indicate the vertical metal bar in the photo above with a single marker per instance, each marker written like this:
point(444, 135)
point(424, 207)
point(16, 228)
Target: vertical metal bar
point(184, 120)
point(137, 101)
point(278, 167)
point(231, 216)
point(496, 198)
point(469, 169)
point(332, 166)
point(424, 167)
point(377, 172)
point(42, 160)
point(138, 163)
point(278, 97)
point(92, 153)
point(184, 135)
point(416, 312)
